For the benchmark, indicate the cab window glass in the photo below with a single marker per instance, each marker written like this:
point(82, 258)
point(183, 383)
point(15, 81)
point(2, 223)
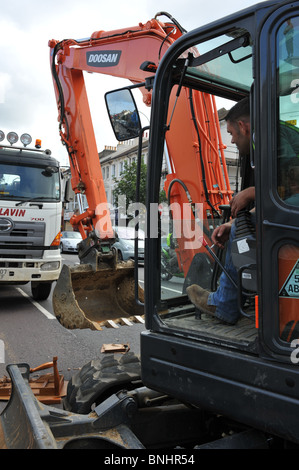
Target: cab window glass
point(233, 69)
point(288, 170)
point(288, 111)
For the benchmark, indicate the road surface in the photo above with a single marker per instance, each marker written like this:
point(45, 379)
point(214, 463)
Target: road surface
point(30, 333)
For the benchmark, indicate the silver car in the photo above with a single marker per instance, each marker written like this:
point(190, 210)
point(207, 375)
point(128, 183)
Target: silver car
point(125, 239)
point(69, 241)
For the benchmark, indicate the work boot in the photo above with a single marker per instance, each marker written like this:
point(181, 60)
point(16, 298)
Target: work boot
point(199, 298)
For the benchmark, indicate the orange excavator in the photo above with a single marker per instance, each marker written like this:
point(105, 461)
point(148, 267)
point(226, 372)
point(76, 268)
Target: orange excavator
point(101, 291)
point(200, 383)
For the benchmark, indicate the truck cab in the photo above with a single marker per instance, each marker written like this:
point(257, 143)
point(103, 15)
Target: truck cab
point(30, 218)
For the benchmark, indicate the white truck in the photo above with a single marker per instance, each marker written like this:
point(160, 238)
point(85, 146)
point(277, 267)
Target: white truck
point(30, 216)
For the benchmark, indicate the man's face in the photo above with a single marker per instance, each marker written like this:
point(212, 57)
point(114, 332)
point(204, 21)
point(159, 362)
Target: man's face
point(240, 132)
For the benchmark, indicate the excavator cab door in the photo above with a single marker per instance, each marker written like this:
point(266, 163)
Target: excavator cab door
point(188, 140)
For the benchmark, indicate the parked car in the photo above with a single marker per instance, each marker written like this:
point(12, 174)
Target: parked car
point(69, 241)
point(125, 239)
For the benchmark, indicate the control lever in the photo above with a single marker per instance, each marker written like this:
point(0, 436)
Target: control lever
point(209, 249)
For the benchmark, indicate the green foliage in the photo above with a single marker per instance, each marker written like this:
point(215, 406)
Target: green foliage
point(126, 185)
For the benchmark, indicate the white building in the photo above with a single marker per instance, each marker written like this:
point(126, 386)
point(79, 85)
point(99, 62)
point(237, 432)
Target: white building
point(231, 153)
point(112, 160)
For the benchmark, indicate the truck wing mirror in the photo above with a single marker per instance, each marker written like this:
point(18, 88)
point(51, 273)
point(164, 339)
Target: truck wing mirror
point(50, 170)
point(123, 114)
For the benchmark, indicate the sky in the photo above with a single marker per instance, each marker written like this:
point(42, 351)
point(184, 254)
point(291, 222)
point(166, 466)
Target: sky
point(27, 99)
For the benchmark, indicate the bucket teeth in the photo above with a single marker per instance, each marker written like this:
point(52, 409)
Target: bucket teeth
point(111, 324)
point(125, 321)
point(139, 319)
point(116, 323)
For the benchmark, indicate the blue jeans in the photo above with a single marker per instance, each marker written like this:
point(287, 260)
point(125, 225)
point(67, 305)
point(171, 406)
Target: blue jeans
point(225, 299)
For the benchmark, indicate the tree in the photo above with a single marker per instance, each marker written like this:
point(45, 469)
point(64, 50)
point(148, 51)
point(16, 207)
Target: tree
point(125, 189)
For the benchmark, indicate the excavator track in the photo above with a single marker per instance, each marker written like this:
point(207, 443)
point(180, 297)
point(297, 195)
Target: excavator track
point(99, 378)
point(85, 298)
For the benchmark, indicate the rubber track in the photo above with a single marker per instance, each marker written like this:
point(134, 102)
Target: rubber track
point(99, 378)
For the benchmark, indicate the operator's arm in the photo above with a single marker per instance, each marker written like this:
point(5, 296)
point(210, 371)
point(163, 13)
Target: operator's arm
point(221, 234)
point(241, 200)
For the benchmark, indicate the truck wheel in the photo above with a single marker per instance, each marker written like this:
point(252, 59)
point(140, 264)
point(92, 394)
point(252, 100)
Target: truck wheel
point(40, 290)
point(99, 379)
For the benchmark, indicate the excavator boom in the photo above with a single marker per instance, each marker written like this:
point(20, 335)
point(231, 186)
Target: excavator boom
point(133, 53)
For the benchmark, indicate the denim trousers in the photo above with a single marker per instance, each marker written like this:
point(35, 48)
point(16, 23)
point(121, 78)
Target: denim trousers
point(226, 296)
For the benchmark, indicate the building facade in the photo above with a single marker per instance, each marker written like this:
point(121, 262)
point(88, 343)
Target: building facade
point(113, 159)
point(231, 153)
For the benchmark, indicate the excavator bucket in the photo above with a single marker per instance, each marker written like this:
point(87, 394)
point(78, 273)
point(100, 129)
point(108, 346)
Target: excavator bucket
point(85, 298)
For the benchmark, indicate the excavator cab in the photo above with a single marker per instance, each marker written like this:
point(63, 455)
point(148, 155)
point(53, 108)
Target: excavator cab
point(248, 370)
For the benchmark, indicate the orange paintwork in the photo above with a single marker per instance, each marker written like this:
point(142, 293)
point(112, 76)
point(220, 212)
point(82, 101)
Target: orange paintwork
point(145, 42)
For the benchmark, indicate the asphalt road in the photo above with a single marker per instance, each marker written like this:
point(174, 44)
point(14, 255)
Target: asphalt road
point(31, 333)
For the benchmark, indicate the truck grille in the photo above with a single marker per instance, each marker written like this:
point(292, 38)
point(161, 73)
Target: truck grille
point(25, 240)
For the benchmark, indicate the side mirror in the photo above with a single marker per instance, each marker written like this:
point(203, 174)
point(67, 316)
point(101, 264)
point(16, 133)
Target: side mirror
point(50, 170)
point(123, 114)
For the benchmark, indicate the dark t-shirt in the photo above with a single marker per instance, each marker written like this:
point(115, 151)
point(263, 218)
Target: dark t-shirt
point(247, 172)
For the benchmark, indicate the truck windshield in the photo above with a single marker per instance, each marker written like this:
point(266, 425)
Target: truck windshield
point(21, 182)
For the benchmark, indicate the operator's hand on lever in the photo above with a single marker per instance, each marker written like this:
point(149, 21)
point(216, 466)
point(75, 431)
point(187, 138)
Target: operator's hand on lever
point(242, 200)
point(238, 202)
point(221, 234)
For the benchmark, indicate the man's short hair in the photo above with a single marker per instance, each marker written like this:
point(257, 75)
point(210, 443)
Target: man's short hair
point(240, 111)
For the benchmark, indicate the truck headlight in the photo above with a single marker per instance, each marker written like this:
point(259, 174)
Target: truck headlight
point(51, 266)
point(26, 139)
point(12, 137)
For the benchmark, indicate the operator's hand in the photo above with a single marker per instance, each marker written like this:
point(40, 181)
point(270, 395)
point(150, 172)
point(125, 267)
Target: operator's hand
point(221, 234)
point(241, 200)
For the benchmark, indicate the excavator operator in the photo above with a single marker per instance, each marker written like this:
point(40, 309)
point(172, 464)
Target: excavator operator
point(223, 303)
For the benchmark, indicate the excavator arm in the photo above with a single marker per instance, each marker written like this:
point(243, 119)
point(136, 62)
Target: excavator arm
point(197, 178)
point(119, 53)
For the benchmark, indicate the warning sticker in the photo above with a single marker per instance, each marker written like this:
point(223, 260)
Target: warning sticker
point(291, 286)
